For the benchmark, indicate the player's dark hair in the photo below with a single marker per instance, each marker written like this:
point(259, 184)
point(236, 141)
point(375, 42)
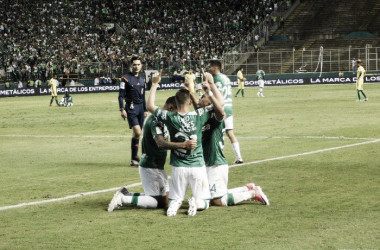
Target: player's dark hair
point(182, 96)
point(171, 101)
point(134, 58)
point(241, 67)
point(216, 63)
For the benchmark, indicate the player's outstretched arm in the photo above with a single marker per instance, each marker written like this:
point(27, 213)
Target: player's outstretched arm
point(164, 144)
point(219, 110)
point(194, 100)
point(214, 89)
point(156, 78)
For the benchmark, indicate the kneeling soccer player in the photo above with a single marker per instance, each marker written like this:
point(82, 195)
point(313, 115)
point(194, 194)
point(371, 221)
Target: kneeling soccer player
point(151, 166)
point(188, 165)
point(216, 163)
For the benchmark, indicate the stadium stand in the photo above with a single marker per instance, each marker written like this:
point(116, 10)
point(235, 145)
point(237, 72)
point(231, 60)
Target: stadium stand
point(340, 27)
point(39, 38)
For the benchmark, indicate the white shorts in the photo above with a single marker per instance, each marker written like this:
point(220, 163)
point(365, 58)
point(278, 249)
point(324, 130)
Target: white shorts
point(261, 83)
point(218, 180)
point(154, 181)
point(229, 123)
point(195, 177)
point(199, 86)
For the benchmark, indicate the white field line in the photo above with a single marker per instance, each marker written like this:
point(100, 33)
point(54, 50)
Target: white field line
point(307, 153)
point(243, 137)
point(232, 166)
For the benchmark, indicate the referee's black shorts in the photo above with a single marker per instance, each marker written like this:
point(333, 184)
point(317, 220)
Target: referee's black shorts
point(135, 116)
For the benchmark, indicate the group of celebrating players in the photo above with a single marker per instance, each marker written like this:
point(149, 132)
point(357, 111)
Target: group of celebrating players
point(196, 144)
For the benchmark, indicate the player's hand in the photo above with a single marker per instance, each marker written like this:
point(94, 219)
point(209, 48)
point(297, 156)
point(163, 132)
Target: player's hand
point(186, 84)
point(206, 87)
point(156, 78)
point(123, 114)
point(208, 77)
point(145, 114)
point(190, 144)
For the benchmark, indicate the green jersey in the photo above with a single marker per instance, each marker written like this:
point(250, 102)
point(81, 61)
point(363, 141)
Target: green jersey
point(183, 128)
point(198, 78)
point(213, 142)
point(260, 74)
point(223, 83)
point(152, 156)
point(68, 99)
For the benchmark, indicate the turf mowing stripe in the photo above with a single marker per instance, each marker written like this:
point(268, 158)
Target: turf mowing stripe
point(245, 137)
point(232, 166)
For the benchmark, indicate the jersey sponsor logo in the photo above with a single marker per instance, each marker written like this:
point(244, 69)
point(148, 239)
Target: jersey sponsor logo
point(186, 124)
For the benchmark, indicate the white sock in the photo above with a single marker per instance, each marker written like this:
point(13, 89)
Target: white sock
point(140, 201)
point(238, 190)
point(236, 148)
point(235, 198)
point(202, 204)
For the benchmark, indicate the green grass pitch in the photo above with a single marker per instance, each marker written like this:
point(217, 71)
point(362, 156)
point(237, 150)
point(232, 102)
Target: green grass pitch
point(313, 150)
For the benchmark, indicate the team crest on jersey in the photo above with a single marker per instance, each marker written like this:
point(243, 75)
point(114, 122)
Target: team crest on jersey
point(206, 127)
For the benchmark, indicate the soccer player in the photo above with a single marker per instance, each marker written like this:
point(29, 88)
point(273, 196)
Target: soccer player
point(241, 80)
point(216, 163)
point(224, 85)
point(260, 76)
point(360, 80)
point(190, 79)
point(151, 167)
point(53, 87)
point(67, 100)
point(188, 165)
point(132, 93)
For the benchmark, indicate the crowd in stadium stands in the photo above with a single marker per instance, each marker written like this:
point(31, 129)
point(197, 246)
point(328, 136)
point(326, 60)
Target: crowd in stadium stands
point(38, 38)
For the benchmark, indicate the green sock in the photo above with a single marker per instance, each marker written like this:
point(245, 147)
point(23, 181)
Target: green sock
point(51, 101)
point(363, 93)
point(56, 101)
point(237, 93)
point(242, 92)
point(230, 199)
point(359, 94)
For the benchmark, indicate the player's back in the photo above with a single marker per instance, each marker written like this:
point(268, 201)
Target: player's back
point(152, 156)
point(223, 83)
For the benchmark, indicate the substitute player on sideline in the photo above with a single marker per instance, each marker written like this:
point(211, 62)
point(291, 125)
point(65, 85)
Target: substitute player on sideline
point(53, 87)
point(153, 176)
point(260, 76)
point(241, 80)
point(224, 85)
point(188, 165)
point(132, 93)
point(360, 80)
point(216, 163)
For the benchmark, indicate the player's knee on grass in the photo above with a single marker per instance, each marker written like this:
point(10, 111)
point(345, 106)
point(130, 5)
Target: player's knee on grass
point(216, 202)
point(161, 202)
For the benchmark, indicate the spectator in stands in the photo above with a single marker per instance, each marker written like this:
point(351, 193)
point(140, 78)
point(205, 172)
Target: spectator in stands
point(55, 32)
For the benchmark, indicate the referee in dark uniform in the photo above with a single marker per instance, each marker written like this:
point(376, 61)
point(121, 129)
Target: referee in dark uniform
point(132, 104)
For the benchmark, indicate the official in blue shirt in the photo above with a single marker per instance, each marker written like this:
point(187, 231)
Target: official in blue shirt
point(132, 94)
